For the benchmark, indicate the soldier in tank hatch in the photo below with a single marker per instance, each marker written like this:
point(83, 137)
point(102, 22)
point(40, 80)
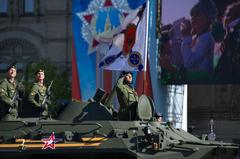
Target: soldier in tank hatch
point(127, 97)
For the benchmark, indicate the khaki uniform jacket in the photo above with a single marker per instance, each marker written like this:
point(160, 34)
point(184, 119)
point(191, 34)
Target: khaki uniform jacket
point(37, 94)
point(126, 95)
point(36, 97)
point(7, 90)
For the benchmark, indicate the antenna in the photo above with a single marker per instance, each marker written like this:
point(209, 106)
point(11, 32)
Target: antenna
point(211, 135)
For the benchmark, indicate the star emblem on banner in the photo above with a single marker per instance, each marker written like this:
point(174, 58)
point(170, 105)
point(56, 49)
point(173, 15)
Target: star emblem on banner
point(100, 22)
point(50, 142)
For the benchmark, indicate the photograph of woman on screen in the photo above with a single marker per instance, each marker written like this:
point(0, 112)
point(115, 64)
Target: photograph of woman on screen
point(198, 43)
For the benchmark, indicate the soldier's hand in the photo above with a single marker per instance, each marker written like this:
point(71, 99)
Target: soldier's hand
point(123, 76)
point(43, 106)
point(48, 101)
point(13, 104)
point(48, 93)
point(20, 87)
point(12, 111)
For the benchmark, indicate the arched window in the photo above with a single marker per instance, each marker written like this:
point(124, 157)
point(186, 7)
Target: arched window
point(19, 51)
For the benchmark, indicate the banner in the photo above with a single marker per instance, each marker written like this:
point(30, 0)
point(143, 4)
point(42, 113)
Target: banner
point(95, 22)
point(128, 49)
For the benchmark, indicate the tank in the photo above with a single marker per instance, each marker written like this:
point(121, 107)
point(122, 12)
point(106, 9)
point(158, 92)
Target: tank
point(91, 130)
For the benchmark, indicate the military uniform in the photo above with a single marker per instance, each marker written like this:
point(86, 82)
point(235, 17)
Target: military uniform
point(128, 99)
point(9, 110)
point(36, 98)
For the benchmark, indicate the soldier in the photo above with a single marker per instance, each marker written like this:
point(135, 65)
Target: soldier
point(37, 94)
point(10, 90)
point(159, 117)
point(127, 97)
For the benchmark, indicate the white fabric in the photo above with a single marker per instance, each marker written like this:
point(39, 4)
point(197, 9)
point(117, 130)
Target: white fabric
point(121, 63)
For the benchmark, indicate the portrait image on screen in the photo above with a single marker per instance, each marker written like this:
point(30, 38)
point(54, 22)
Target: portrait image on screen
point(200, 42)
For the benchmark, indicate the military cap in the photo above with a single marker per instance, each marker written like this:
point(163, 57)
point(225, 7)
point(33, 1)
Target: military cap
point(158, 114)
point(125, 73)
point(11, 66)
point(39, 70)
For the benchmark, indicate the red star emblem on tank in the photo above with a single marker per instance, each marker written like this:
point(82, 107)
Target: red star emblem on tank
point(50, 142)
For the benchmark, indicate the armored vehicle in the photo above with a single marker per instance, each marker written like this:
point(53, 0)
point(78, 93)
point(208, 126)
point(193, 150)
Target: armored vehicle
point(91, 129)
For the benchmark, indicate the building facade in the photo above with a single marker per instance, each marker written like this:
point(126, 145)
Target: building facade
point(31, 30)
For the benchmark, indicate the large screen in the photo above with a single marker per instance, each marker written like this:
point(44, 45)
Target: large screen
point(200, 42)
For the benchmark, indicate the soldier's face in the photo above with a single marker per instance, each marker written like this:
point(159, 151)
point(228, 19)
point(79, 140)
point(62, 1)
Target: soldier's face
point(12, 72)
point(40, 76)
point(160, 119)
point(128, 78)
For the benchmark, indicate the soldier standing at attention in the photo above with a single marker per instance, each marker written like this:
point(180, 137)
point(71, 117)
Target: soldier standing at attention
point(127, 97)
point(9, 95)
point(37, 94)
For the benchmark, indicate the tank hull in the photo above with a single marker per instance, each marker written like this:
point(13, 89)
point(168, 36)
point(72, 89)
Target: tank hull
point(101, 139)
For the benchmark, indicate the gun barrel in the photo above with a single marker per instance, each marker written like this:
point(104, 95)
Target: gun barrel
point(47, 93)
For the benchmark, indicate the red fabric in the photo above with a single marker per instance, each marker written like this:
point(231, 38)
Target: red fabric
point(95, 43)
point(129, 38)
point(76, 94)
point(144, 87)
point(88, 18)
point(108, 3)
point(107, 80)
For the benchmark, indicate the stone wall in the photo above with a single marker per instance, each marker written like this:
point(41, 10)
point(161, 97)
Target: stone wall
point(45, 33)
